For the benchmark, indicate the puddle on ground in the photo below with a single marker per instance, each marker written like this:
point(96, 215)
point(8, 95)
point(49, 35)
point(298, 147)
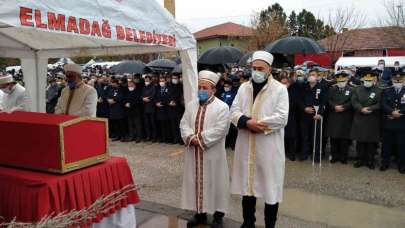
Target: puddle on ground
point(339, 212)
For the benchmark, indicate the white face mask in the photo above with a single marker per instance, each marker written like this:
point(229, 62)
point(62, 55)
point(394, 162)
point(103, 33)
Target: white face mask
point(258, 76)
point(342, 84)
point(368, 84)
point(312, 79)
point(175, 81)
point(381, 66)
point(227, 89)
point(397, 85)
point(162, 84)
point(147, 83)
point(131, 88)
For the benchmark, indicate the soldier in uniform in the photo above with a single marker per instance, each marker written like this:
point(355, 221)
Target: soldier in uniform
point(393, 104)
point(340, 117)
point(366, 101)
point(313, 103)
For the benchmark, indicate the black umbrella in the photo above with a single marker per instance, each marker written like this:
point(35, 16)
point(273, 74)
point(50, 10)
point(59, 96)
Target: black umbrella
point(161, 65)
point(129, 67)
point(177, 69)
point(244, 61)
point(220, 55)
point(294, 45)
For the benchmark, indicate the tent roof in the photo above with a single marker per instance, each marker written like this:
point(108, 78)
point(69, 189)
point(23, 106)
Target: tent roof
point(148, 28)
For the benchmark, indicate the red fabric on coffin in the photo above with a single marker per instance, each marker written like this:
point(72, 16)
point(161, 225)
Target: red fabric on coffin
point(77, 140)
point(29, 196)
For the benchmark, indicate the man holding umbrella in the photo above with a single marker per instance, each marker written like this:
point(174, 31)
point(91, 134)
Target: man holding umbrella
point(260, 111)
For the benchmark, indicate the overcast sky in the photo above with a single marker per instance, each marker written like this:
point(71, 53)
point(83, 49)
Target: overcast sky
point(198, 14)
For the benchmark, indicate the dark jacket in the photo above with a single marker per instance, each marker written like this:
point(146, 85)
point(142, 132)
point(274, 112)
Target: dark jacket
point(340, 123)
point(117, 109)
point(149, 92)
point(392, 101)
point(176, 95)
point(134, 98)
point(310, 97)
point(162, 97)
point(103, 108)
point(294, 96)
point(228, 97)
point(366, 127)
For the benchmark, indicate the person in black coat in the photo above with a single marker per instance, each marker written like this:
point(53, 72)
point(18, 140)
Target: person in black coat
point(393, 103)
point(117, 114)
point(162, 101)
point(133, 107)
point(340, 117)
point(52, 95)
point(290, 131)
point(175, 108)
point(149, 109)
point(312, 104)
point(103, 89)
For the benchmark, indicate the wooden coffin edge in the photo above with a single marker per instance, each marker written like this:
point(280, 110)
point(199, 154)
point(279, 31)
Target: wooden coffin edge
point(69, 167)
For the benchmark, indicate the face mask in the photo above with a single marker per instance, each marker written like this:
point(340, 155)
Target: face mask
point(162, 84)
point(175, 81)
point(6, 90)
point(259, 77)
point(147, 83)
point(227, 89)
point(381, 66)
point(58, 83)
point(397, 85)
point(72, 85)
point(300, 79)
point(341, 84)
point(203, 95)
point(136, 80)
point(312, 79)
point(131, 88)
point(368, 84)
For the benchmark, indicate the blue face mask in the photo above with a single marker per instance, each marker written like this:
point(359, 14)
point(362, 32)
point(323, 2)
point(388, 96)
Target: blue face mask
point(203, 95)
point(72, 85)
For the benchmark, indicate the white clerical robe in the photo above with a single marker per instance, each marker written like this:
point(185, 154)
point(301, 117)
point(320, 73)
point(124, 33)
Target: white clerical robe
point(83, 103)
point(206, 176)
point(17, 100)
point(1, 99)
point(259, 161)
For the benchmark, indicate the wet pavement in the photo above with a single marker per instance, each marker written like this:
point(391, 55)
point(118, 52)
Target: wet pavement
point(335, 195)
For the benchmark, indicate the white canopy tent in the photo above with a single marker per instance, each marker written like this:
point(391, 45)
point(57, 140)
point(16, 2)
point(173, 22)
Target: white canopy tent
point(37, 30)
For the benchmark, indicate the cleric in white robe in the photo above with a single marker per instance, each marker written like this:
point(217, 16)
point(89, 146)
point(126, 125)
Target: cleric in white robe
point(77, 99)
point(260, 111)
point(15, 97)
point(204, 126)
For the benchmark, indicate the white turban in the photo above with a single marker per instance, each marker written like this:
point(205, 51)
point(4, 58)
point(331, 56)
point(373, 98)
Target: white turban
point(6, 79)
point(264, 56)
point(208, 76)
point(73, 68)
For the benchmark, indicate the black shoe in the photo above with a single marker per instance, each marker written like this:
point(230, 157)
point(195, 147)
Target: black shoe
point(344, 162)
point(384, 167)
point(291, 157)
point(248, 226)
point(358, 164)
point(333, 161)
point(198, 219)
point(371, 166)
point(138, 140)
point(303, 158)
point(402, 170)
point(115, 139)
point(218, 220)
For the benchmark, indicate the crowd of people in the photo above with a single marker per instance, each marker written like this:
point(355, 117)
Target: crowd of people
point(361, 107)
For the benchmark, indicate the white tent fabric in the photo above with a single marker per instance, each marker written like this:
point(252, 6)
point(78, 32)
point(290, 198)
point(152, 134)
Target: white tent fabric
point(367, 61)
point(37, 30)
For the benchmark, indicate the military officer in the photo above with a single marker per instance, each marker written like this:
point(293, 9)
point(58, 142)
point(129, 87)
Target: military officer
point(393, 104)
point(340, 117)
point(366, 101)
